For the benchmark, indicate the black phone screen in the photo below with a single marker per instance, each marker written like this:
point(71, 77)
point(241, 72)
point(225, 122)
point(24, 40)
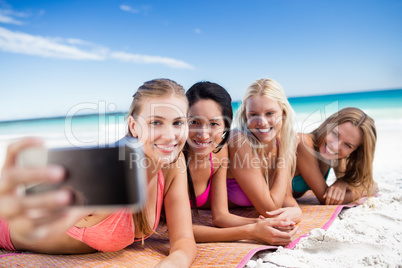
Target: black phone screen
point(98, 176)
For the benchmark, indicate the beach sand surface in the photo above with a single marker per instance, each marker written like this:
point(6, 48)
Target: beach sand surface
point(369, 235)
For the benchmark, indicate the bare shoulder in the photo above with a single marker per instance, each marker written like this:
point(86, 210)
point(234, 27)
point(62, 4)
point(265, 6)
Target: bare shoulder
point(174, 171)
point(221, 159)
point(305, 142)
point(222, 153)
point(237, 140)
point(236, 134)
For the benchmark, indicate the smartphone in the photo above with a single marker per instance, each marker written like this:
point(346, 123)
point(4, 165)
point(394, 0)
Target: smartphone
point(97, 177)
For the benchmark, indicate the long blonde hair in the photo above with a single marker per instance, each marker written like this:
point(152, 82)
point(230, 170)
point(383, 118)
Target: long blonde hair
point(287, 145)
point(359, 164)
point(152, 89)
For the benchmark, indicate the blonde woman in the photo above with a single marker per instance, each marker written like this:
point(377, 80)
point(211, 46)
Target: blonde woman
point(262, 153)
point(158, 119)
point(346, 142)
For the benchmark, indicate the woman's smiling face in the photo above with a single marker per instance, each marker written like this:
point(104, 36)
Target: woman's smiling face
point(341, 141)
point(264, 117)
point(161, 126)
point(206, 126)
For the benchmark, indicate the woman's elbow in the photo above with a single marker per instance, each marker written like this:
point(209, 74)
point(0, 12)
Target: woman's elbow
point(218, 220)
point(181, 256)
point(276, 205)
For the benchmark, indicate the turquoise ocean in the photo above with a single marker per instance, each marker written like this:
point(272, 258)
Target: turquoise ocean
point(384, 106)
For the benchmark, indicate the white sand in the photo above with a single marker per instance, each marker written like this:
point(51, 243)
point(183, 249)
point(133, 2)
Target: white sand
point(367, 235)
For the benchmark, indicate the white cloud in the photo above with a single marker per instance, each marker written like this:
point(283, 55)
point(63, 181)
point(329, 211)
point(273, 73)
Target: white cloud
point(75, 41)
point(7, 16)
point(129, 9)
point(137, 58)
point(9, 20)
point(14, 13)
point(75, 49)
point(23, 43)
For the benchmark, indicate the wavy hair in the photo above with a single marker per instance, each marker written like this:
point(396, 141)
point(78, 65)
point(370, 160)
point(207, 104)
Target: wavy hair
point(359, 164)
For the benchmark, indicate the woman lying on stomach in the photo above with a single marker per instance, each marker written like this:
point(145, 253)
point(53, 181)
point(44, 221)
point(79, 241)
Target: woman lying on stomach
point(262, 152)
point(346, 142)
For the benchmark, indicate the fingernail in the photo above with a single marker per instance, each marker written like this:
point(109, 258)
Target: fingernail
point(56, 173)
point(36, 140)
point(62, 197)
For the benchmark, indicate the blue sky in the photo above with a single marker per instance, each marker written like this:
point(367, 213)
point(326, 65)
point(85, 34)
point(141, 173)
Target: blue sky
point(57, 54)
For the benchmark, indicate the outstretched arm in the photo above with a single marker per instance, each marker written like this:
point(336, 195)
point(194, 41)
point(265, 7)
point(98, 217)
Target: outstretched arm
point(37, 223)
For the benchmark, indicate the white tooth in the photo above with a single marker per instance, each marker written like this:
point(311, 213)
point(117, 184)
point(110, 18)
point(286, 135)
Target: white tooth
point(264, 130)
point(202, 143)
point(165, 146)
point(329, 150)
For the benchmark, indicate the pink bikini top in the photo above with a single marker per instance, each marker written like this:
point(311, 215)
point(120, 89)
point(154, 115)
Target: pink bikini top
point(5, 240)
point(117, 230)
point(235, 192)
point(203, 198)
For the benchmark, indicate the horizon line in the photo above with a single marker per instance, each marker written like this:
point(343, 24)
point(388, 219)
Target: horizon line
point(9, 121)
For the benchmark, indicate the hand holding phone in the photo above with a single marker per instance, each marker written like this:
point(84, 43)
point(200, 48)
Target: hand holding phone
point(99, 178)
point(33, 217)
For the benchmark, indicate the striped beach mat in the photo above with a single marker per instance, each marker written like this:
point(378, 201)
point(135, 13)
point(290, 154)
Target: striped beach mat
point(229, 254)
